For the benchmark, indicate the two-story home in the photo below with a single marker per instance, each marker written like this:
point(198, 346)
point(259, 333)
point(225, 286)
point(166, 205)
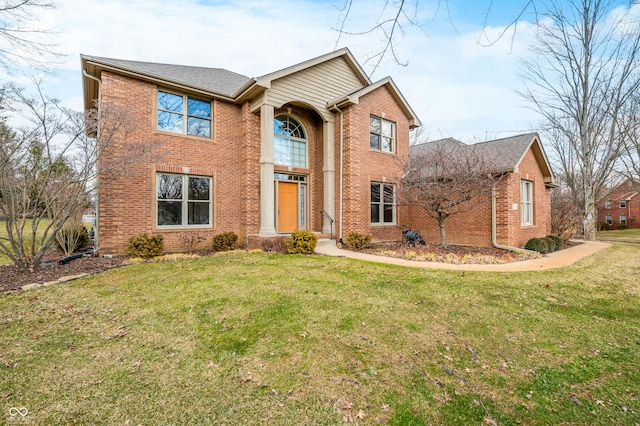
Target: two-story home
point(619, 208)
point(315, 146)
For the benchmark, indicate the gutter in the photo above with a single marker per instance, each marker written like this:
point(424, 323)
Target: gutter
point(335, 108)
point(97, 225)
point(494, 231)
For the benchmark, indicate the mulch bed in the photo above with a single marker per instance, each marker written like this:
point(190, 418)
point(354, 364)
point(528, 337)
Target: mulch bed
point(13, 279)
point(433, 252)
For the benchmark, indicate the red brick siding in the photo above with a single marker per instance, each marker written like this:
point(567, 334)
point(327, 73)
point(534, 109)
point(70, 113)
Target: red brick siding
point(624, 191)
point(128, 205)
point(363, 165)
point(474, 227)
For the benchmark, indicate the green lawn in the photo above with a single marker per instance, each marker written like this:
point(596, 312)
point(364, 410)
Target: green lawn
point(620, 236)
point(289, 340)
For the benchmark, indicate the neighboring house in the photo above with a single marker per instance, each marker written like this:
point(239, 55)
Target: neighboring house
point(620, 207)
point(261, 156)
point(522, 196)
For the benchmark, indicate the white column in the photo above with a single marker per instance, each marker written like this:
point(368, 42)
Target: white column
point(329, 174)
point(267, 193)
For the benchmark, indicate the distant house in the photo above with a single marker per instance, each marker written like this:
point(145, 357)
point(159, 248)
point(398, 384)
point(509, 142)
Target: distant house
point(293, 149)
point(522, 197)
point(619, 208)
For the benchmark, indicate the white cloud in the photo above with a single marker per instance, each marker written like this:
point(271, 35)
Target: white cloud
point(457, 87)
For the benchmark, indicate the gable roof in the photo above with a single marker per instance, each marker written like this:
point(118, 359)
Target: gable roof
point(354, 98)
point(506, 152)
point(228, 85)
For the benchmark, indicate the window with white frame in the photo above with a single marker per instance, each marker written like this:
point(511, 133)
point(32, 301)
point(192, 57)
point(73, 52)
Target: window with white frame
point(607, 204)
point(623, 219)
point(383, 203)
point(184, 114)
point(623, 204)
point(608, 219)
point(382, 134)
point(289, 142)
point(183, 200)
point(526, 202)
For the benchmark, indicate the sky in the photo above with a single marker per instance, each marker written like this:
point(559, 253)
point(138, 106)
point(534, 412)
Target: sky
point(458, 86)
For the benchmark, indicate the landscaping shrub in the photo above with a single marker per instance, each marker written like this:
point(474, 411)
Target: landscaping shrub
point(72, 238)
point(145, 246)
point(537, 244)
point(303, 242)
point(225, 241)
point(551, 244)
point(558, 241)
point(275, 245)
point(605, 226)
point(356, 241)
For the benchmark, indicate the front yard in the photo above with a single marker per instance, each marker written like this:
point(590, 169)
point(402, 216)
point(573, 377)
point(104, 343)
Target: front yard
point(245, 338)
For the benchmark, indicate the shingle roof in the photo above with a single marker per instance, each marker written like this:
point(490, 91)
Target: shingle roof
point(506, 153)
point(214, 80)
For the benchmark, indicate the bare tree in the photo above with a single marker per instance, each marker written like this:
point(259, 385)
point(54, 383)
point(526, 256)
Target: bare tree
point(24, 41)
point(566, 215)
point(395, 17)
point(631, 156)
point(50, 166)
point(581, 81)
point(447, 177)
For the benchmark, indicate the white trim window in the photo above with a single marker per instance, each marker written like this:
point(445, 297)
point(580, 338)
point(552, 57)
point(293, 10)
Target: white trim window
point(183, 114)
point(608, 219)
point(289, 142)
point(607, 204)
point(383, 203)
point(183, 201)
point(526, 202)
point(623, 219)
point(623, 204)
point(382, 134)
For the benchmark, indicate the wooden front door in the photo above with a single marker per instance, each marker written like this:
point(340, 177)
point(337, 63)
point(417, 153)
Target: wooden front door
point(287, 206)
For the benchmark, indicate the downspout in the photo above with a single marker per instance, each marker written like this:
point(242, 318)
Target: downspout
point(494, 226)
point(97, 226)
point(335, 108)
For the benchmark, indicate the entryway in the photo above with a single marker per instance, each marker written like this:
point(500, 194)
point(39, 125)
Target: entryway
point(291, 202)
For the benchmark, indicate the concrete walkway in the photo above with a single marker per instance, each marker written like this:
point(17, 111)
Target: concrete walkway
point(558, 259)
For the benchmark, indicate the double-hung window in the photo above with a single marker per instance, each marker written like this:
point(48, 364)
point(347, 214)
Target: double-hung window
point(526, 202)
point(383, 203)
point(382, 134)
point(183, 200)
point(608, 219)
point(623, 219)
point(607, 204)
point(623, 204)
point(184, 114)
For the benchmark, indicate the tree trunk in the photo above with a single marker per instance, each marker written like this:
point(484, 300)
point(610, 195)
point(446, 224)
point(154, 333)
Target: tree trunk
point(589, 225)
point(443, 231)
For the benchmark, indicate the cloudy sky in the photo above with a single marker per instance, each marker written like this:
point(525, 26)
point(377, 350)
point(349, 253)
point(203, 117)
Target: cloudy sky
point(457, 85)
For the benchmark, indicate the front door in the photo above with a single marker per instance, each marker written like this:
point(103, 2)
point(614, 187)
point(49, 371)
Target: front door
point(287, 206)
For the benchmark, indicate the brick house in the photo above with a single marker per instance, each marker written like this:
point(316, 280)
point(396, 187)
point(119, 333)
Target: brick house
point(522, 197)
point(619, 208)
point(261, 156)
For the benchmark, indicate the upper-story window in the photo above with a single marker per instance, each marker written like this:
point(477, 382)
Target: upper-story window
point(382, 134)
point(184, 114)
point(607, 204)
point(623, 204)
point(289, 142)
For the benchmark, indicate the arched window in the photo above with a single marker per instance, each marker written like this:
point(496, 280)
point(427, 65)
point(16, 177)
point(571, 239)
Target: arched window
point(289, 142)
